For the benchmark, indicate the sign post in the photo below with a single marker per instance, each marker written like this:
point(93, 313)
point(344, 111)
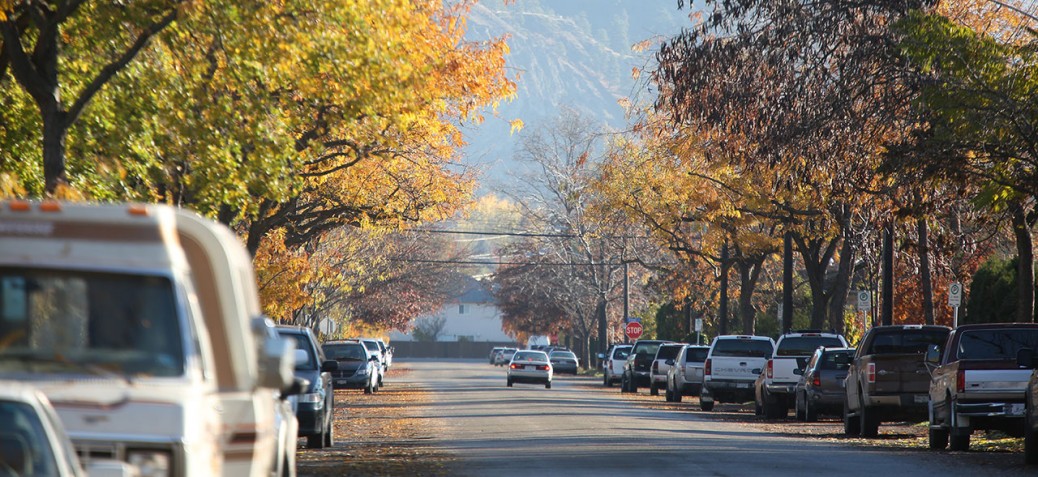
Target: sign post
point(864, 305)
point(955, 300)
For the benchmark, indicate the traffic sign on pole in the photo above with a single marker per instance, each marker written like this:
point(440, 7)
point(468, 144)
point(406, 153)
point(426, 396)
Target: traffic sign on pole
point(955, 294)
point(864, 300)
point(633, 330)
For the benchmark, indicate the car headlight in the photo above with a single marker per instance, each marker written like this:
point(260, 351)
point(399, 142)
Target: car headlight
point(362, 371)
point(151, 463)
point(309, 398)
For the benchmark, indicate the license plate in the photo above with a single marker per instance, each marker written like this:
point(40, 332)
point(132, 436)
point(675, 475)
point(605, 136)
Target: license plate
point(1015, 409)
point(921, 398)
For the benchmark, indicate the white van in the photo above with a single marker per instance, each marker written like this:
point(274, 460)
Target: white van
point(140, 324)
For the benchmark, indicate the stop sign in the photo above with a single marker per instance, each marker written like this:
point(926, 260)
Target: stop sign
point(633, 330)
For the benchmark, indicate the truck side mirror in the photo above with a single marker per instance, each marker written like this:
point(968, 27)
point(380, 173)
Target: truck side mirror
point(298, 386)
point(933, 355)
point(1025, 358)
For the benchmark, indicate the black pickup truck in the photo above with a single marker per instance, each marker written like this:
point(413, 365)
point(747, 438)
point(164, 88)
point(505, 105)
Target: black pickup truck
point(887, 378)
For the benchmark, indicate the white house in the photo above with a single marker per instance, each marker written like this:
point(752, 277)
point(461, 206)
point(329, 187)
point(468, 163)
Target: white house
point(472, 315)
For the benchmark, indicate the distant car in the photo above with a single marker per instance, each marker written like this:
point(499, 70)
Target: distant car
point(358, 367)
point(660, 366)
point(774, 392)
point(528, 366)
point(375, 346)
point(731, 366)
point(685, 377)
point(564, 361)
point(32, 438)
point(316, 405)
point(639, 364)
point(820, 390)
point(504, 356)
point(493, 352)
point(613, 363)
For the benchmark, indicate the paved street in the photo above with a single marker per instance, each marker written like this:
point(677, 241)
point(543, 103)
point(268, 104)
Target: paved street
point(580, 428)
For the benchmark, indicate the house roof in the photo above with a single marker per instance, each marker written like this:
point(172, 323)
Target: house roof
point(473, 291)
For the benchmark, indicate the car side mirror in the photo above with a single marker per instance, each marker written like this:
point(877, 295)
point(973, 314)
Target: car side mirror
point(600, 355)
point(670, 362)
point(1025, 358)
point(300, 356)
point(298, 386)
point(330, 365)
point(798, 372)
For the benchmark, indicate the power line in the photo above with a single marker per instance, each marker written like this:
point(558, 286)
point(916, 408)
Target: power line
point(520, 234)
point(497, 262)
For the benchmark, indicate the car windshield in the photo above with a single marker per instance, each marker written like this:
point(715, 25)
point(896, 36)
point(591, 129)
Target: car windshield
point(23, 441)
point(1001, 344)
point(696, 355)
point(742, 348)
point(346, 352)
point(372, 346)
point(563, 354)
point(61, 322)
point(907, 341)
point(646, 349)
point(805, 345)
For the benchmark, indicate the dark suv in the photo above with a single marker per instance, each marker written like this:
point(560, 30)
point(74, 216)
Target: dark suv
point(316, 405)
point(638, 365)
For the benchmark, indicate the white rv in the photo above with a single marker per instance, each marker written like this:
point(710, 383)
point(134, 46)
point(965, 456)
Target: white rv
point(140, 323)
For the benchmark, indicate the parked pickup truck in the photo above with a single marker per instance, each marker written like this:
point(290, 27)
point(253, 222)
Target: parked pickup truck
point(977, 383)
point(887, 378)
point(142, 325)
point(733, 363)
point(775, 397)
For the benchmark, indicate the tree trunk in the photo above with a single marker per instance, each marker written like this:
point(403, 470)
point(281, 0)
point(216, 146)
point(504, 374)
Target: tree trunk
point(842, 286)
point(787, 281)
point(54, 133)
point(887, 287)
point(749, 274)
point(1025, 266)
point(722, 320)
point(925, 280)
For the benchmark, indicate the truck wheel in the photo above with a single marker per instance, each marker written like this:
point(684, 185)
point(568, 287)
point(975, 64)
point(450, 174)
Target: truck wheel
point(959, 440)
point(706, 405)
point(798, 409)
point(869, 422)
point(774, 408)
point(624, 388)
point(676, 395)
point(851, 425)
point(315, 441)
point(1030, 445)
point(631, 385)
point(938, 438)
point(605, 380)
point(329, 435)
point(653, 390)
point(668, 395)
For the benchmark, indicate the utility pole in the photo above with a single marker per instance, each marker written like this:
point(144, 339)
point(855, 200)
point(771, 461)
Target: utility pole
point(723, 324)
point(887, 299)
point(787, 282)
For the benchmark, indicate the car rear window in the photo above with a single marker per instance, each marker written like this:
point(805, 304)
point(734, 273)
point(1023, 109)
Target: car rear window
point(829, 360)
point(805, 345)
point(647, 348)
point(907, 341)
point(696, 355)
point(343, 352)
point(996, 344)
point(621, 353)
point(743, 347)
point(668, 352)
point(530, 356)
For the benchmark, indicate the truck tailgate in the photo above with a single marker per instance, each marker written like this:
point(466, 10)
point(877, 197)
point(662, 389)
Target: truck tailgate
point(736, 369)
point(900, 373)
point(997, 380)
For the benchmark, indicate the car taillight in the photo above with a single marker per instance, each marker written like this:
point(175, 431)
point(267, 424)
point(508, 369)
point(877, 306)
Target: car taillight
point(771, 369)
point(960, 381)
point(706, 368)
point(871, 372)
point(816, 380)
point(542, 367)
point(515, 366)
point(655, 367)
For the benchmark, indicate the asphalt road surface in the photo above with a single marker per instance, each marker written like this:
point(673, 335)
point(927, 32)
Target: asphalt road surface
point(580, 428)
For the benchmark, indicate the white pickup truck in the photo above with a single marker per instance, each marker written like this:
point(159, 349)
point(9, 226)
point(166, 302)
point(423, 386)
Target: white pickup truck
point(141, 324)
point(733, 363)
point(977, 383)
point(774, 391)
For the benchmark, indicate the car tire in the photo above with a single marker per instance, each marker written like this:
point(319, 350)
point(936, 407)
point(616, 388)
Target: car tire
point(1030, 444)
point(959, 440)
point(773, 408)
point(869, 418)
point(547, 385)
point(706, 405)
point(368, 389)
point(315, 441)
point(676, 395)
point(938, 438)
point(632, 386)
point(653, 390)
point(509, 382)
point(623, 383)
point(605, 380)
point(810, 413)
point(798, 410)
point(329, 433)
point(851, 424)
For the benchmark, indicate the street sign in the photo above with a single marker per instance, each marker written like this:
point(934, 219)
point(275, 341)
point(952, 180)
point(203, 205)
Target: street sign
point(955, 294)
point(699, 324)
point(327, 326)
point(632, 319)
point(633, 330)
point(864, 300)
